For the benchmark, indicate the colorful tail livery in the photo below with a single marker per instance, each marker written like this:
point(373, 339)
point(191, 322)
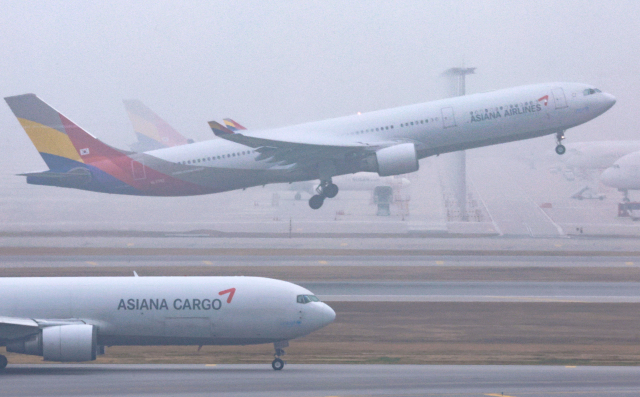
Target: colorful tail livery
point(151, 130)
point(232, 125)
point(76, 159)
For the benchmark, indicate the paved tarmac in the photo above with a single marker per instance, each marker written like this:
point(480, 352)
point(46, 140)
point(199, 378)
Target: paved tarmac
point(318, 260)
point(318, 380)
point(478, 291)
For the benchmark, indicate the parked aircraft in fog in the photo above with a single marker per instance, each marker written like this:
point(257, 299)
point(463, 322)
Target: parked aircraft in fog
point(589, 159)
point(72, 319)
point(389, 142)
point(624, 174)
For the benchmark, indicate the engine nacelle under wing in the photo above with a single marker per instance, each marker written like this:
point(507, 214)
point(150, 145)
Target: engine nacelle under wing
point(397, 160)
point(65, 343)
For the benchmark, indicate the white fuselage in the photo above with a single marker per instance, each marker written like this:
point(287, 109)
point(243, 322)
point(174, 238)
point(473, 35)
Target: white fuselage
point(624, 174)
point(435, 127)
point(168, 310)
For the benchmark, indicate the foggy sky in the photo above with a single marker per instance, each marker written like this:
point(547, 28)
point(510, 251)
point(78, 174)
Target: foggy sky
point(270, 64)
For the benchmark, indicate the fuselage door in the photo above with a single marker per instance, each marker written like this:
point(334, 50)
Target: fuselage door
point(448, 119)
point(559, 98)
point(138, 170)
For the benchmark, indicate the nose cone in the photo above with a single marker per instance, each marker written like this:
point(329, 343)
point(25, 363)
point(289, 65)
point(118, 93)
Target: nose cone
point(329, 315)
point(609, 100)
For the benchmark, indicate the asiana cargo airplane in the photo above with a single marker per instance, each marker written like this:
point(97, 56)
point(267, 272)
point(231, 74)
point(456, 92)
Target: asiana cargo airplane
point(389, 142)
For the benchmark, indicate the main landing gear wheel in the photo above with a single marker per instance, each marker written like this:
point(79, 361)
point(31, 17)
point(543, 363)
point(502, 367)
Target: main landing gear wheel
point(326, 189)
point(316, 201)
point(330, 191)
point(3, 362)
point(277, 364)
point(560, 149)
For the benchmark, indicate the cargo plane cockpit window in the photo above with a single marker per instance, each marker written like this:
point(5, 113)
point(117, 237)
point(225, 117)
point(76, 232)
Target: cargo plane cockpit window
point(307, 298)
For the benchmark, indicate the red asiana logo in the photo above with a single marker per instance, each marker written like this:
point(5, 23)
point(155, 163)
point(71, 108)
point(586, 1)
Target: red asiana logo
point(544, 99)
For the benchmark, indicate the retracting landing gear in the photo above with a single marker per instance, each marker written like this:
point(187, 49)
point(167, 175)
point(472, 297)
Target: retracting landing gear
point(3, 362)
point(560, 149)
point(277, 363)
point(326, 189)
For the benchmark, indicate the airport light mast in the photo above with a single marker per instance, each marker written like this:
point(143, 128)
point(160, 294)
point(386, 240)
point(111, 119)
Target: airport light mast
point(459, 159)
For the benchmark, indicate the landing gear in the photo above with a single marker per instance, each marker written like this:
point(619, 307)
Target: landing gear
point(625, 199)
point(298, 196)
point(326, 189)
point(560, 149)
point(277, 363)
point(3, 362)
point(316, 201)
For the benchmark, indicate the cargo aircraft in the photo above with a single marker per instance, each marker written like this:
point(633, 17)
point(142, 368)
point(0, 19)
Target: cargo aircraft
point(72, 319)
point(389, 142)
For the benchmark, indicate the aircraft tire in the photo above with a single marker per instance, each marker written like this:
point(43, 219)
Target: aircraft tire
point(316, 201)
point(330, 191)
point(3, 362)
point(277, 364)
point(560, 149)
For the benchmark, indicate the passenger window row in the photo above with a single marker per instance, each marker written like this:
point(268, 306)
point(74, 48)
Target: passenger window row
point(425, 121)
point(387, 127)
point(205, 159)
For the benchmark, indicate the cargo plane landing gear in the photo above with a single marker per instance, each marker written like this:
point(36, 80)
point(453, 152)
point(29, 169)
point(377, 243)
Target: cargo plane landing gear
point(560, 149)
point(3, 362)
point(277, 363)
point(326, 189)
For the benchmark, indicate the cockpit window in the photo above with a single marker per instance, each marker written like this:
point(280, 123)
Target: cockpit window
point(307, 298)
point(590, 91)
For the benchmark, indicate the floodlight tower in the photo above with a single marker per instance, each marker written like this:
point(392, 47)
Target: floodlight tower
point(459, 159)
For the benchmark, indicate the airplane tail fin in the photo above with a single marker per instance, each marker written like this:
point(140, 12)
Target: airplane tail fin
point(218, 129)
point(232, 125)
point(45, 127)
point(61, 143)
point(151, 130)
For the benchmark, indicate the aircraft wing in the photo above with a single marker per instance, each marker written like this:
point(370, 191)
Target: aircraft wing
point(299, 153)
point(15, 328)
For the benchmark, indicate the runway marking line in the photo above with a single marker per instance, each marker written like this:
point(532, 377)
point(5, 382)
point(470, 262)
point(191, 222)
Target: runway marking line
point(629, 263)
point(92, 263)
point(210, 365)
point(207, 262)
point(570, 366)
point(343, 244)
point(323, 262)
point(439, 262)
point(130, 244)
point(498, 395)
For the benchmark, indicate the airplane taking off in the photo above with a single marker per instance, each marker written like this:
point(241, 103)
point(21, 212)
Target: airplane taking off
point(624, 174)
point(72, 319)
point(389, 142)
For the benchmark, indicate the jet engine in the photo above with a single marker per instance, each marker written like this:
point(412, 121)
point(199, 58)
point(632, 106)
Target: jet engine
point(65, 343)
point(397, 159)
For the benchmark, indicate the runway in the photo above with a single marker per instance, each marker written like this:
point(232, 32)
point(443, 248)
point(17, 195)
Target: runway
point(504, 291)
point(506, 261)
point(318, 380)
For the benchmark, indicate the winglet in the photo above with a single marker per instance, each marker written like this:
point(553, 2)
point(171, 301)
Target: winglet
point(233, 125)
point(218, 129)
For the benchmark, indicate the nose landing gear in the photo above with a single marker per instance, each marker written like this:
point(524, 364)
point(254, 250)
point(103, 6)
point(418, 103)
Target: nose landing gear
point(277, 363)
point(560, 149)
point(326, 189)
